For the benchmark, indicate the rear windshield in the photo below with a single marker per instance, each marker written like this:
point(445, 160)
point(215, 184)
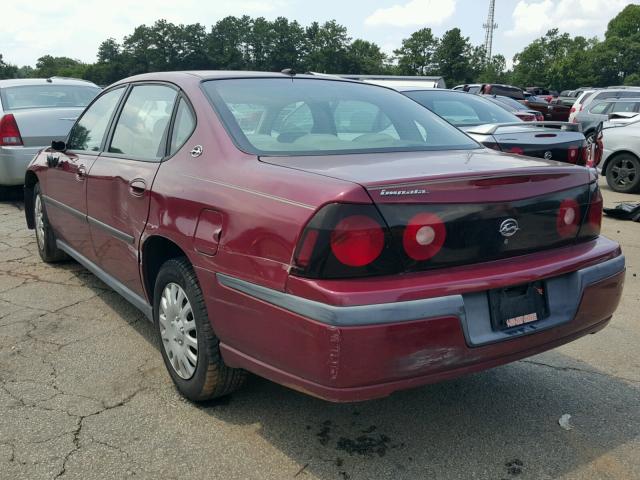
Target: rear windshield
point(284, 116)
point(47, 96)
point(462, 109)
point(516, 105)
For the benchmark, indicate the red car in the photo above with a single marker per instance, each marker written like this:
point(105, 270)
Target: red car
point(332, 236)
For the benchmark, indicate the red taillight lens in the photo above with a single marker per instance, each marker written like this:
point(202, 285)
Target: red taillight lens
point(573, 154)
point(9, 131)
point(516, 150)
point(573, 110)
point(424, 236)
point(357, 240)
point(593, 223)
point(568, 219)
point(303, 254)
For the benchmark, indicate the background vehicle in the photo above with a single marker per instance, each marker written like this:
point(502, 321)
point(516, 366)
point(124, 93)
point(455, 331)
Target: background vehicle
point(544, 93)
point(611, 93)
point(598, 112)
point(33, 112)
point(269, 223)
point(498, 129)
point(399, 80)
point(518, 109)
point(553, 111)
point(493, 89)
point(621, 157)
point(578, 104)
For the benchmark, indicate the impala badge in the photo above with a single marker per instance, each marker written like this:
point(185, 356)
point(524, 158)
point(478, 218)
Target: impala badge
point(389, 193)
point(509, 227)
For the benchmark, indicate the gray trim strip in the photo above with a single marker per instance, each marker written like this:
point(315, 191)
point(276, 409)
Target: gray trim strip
point(452, 305)
point(55, 203)
point(114, 232)
point(132, 297)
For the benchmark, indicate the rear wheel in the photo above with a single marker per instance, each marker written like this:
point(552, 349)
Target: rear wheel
point(190, 349)
point(623, 173)
point(45, 238)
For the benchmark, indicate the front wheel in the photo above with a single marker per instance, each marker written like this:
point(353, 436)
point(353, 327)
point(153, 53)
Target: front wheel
point(190, 349)
point(45, 238)
point(623, 173)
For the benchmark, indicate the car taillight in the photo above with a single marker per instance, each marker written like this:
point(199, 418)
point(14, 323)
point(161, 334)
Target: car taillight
point(516, 150)
point(424, 236)
point(540, 117)
point(492, 145)
point(357, 240)
point(9, 131)
point(344, 241)
point(573, 154)
point(573, 110)
point(593, 223)
point(568, 219)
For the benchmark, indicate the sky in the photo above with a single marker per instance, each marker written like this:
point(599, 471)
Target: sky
point(72, 28)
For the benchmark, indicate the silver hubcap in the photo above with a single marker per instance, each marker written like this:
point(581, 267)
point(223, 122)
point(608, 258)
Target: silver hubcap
point(178, 330)
point(39, 222)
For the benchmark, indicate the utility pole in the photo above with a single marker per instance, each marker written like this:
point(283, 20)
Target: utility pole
point(489, 27)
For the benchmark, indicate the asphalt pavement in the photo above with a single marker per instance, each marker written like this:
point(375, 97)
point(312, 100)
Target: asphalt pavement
point(84, 395)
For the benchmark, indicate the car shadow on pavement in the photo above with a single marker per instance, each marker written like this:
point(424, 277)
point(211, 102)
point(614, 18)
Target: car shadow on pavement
point(498, 424)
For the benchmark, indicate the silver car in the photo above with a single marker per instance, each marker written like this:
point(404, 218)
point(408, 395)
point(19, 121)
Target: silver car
point(599, 111)
point(33, 112)
point(621, 156)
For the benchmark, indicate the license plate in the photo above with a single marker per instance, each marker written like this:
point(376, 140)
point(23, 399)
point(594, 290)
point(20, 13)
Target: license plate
point(513, 307)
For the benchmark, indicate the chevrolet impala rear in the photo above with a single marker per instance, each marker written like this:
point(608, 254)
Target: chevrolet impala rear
point(444, 258)
point(332, 236)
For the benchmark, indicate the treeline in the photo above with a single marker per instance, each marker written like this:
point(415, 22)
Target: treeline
point(557, 61)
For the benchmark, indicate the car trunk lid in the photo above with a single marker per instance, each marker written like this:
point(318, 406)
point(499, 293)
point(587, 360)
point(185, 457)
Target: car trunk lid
point(489, 205)
point(39, 126)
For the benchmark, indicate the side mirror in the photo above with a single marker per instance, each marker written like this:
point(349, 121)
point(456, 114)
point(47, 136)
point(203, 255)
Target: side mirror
point(58, 145)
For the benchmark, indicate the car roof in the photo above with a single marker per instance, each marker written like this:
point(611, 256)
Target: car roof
point(425, 89)
point(224, 74)
point(20, 82)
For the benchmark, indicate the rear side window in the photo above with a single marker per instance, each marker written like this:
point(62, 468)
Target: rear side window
point(141, 130)
point(183, 126)
point(47, 96)
point(87, 134)
point(600, 109)
point(619, 107)
point(475, 89)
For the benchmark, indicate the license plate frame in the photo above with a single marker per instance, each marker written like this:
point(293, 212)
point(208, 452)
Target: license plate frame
point(516, 306)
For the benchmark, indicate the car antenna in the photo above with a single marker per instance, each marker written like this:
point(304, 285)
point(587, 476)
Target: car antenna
point(289, 71)
point(49, 80)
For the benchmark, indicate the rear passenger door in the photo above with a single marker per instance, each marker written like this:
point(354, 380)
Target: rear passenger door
point(119, 183)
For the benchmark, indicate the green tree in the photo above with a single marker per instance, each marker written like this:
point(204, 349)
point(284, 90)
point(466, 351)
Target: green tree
point(227, 43)
point(366, 58)
point(49, 66)
point(326, 49)
point(416, 55)
point(7, 70)
point(452, 57)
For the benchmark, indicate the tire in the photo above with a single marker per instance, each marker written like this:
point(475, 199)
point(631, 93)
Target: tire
point(209, 377)
point(623, 173)
point(45, 238)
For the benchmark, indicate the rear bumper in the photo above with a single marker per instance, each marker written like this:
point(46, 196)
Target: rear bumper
point(360, 352)
point(14, 162)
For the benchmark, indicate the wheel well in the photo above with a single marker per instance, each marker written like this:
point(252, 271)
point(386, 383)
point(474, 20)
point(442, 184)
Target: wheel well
point(615, 155)
point(30, 181)
point(155, 251)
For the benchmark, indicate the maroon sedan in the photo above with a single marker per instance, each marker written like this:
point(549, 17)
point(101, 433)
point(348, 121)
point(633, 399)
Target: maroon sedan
point(332, 236)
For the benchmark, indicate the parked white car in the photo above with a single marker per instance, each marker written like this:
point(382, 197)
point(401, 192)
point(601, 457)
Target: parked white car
point(621, 156)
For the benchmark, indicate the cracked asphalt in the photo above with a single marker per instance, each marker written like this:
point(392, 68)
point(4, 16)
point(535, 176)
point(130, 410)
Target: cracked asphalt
point(84, 395)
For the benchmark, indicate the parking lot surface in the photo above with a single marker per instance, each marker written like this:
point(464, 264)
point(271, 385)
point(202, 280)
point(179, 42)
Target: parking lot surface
point(84, 394)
